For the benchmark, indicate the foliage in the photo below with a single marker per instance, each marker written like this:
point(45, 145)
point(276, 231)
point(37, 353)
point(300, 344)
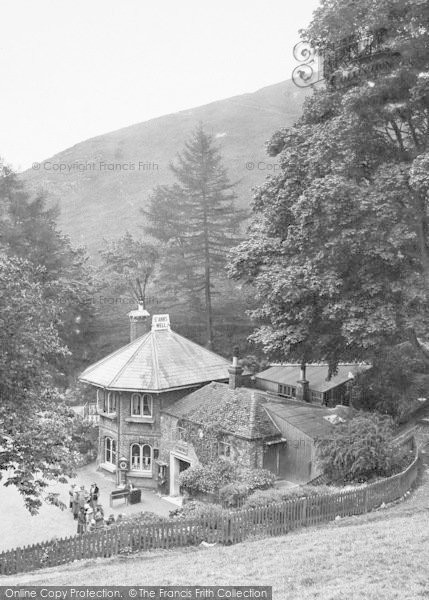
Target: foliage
point(196, 223)
point(358, 450)
point(28, 230)
point(36, 432)
point(127, 261)
point(256, 479)
point(207, 479)
point(215, 475)
point(398, 377)
point(338, 248)
point(85, 437)
point(263, 498)
point(196, 509)
point(232, 494)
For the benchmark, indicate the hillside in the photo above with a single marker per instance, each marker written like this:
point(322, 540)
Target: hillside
point(105, 180)
point(382, 555)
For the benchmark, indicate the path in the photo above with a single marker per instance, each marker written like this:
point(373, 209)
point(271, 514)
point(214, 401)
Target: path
point(20, 528)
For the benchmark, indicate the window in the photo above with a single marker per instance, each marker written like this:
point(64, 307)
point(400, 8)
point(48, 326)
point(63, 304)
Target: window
point(112, 401)
point(141, 457)
point(110, 450)
point(287, 390)
point(101, 399)
point(141, 405)
point(107, 402)
point(224, 450)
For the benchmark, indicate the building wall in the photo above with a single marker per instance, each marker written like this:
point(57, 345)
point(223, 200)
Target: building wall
point(127, 430)
point(269, 386)
point(297, 458)
point(200, 450)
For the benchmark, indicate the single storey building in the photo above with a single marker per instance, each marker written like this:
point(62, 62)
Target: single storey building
point(310, 383)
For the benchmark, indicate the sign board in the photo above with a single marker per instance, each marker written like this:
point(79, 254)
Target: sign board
point(160, 322)
point(123, 464)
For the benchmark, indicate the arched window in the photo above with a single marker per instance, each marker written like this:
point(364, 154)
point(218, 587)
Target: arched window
point(107, 401)
point(141, 457)
point(112, 402)
point(141, 405)
point(110, 450)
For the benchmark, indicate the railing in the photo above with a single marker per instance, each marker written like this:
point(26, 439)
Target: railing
point(230, 528)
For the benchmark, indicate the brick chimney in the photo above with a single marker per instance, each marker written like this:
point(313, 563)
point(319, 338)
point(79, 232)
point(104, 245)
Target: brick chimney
point(303, 390)
point(139, 321)
point(235, 371)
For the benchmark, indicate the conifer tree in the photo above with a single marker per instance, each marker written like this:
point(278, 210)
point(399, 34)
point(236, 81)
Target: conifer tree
point(196, 222)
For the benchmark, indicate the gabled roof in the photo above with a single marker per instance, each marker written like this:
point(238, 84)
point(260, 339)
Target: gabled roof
point(315, 374)
point(158, 361)
point(236, 411)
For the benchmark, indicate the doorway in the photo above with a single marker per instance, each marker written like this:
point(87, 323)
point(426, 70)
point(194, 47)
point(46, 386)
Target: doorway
point(177, 466)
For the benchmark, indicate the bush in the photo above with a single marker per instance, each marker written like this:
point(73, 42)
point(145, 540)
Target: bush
point(358, 450)
point(232, 494)
point(207, 479)
point(263, 498)
point(257, 479)
point(212, 477)
point(197, 509)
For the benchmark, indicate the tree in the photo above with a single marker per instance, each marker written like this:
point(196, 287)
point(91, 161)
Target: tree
point(129, 264)
point(196, 223)
point(392, 386)
point(358, 450)
point(28, 230)
point(35, 424)
point(338, 249)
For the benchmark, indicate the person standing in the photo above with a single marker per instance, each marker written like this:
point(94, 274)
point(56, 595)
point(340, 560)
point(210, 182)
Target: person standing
point(89, 513)
point(82, 496)
point(81, 522)
point(94, 492)
point(71, 495)
point(75, 506)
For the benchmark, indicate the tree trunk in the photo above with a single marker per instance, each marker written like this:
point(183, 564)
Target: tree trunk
point(207, 286)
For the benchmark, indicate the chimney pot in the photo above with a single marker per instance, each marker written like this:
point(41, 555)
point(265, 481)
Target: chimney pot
point(235, 371)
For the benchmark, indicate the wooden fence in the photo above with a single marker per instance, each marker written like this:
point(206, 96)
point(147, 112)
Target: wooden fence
point(231, 528)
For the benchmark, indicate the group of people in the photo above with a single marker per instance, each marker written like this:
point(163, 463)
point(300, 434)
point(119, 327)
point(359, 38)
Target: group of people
point(87, 510)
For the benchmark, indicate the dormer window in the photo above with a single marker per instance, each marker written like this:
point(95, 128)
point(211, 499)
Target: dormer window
point(141, 405)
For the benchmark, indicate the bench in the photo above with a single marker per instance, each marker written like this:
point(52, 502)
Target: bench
point(117, 494)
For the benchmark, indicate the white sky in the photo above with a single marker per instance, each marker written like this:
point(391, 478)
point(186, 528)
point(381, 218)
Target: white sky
point(73, 69)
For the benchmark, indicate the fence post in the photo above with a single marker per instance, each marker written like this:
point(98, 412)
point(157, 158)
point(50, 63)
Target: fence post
point(365, 499)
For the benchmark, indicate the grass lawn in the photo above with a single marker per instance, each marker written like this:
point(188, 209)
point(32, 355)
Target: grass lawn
point(381, 556)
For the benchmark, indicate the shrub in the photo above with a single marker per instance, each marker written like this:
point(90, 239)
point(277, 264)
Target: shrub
point(263, 498)
point(358, 450)
point(196, 509)
point(257, 479)
point(207, 479)
point(233, 493)
point(210, 478)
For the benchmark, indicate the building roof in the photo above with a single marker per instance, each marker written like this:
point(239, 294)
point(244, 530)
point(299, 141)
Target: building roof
point(236, 411)
point(316, 375)
point(308, 419)
point(158, 361)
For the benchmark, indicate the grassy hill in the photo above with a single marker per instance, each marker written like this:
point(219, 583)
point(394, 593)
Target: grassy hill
point(380, 556)
point(105, 180)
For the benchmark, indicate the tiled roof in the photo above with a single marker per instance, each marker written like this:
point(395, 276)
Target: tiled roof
point(157, 361)
point(238, 411)
point(315, 374)
point(307, 419)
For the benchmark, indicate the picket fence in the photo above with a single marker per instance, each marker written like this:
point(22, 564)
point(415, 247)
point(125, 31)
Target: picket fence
point(236, 526)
